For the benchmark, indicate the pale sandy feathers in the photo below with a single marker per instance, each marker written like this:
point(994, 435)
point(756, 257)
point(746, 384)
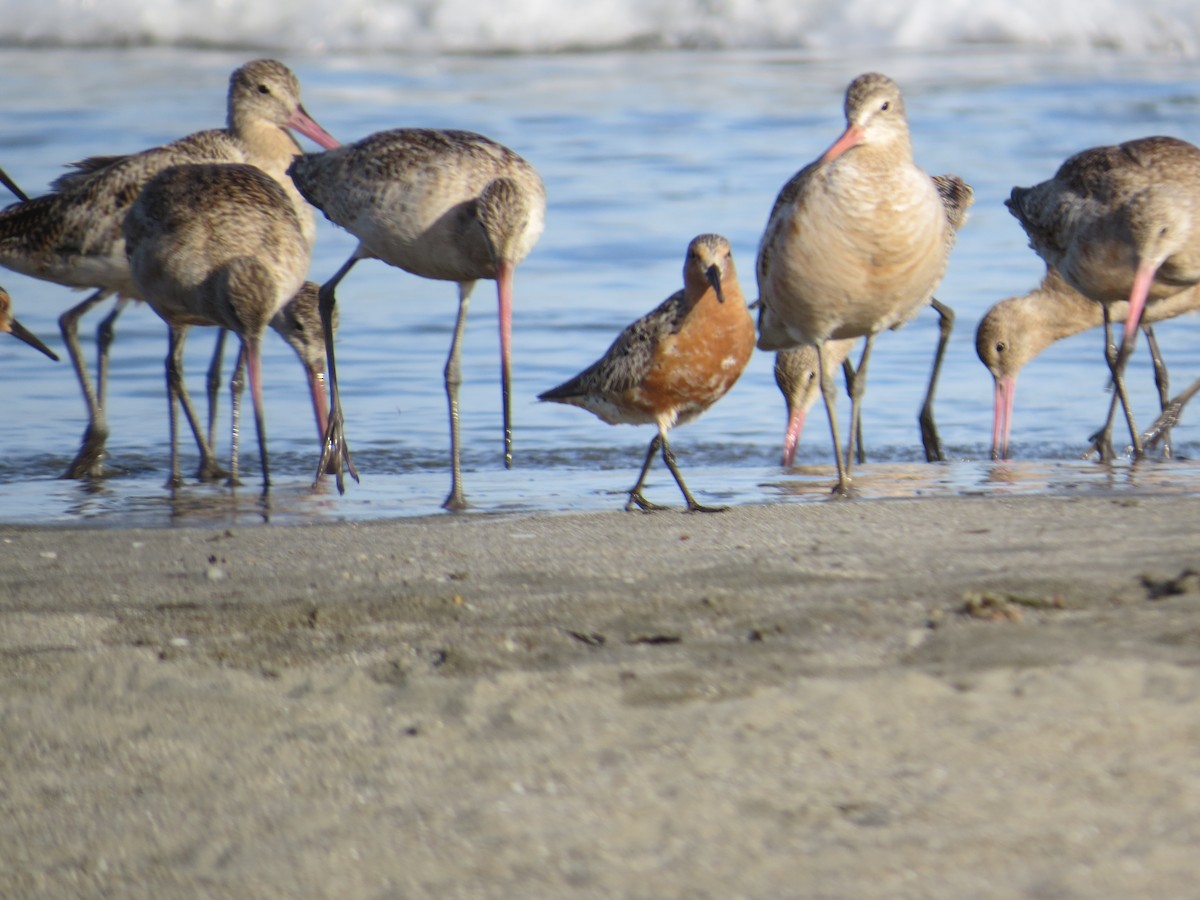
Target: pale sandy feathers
point(439, 204)
point(73, 235)
point(855, 244)
point(216, 245)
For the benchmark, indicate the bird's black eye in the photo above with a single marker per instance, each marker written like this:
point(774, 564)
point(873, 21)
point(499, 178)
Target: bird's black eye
point(885, 106)
point(1001, 346)
point(263, 89)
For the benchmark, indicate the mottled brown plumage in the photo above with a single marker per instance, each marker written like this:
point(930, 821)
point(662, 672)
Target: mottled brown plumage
point(856, 242)
point(73, 235)
point(797, 375)
point(449, 205)
point(215, 244)
point(1119, 223)
point(1016, 329)
point(673, 363)
point(299, 324)
point(797, 370)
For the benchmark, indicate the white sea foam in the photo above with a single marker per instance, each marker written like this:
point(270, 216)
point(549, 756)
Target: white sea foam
point(524, 26)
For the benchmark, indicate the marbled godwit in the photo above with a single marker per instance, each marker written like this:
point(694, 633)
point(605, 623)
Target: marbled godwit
point(836, 262)
point(299, 324)
point(213, 244)
point(1016, 329)
point(73, 237)
point(448, 205)
point(673, 363)
point(798, 378)
point(10, 325)
point(1119, 223)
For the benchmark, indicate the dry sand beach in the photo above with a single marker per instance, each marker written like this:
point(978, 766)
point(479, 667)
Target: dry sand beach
point(910, 698)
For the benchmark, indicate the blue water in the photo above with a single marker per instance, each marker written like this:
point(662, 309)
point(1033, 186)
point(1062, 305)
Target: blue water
point(640, 150)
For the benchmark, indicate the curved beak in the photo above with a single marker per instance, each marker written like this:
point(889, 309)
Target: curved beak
point(1002, 408)
point(1142, 279)
point(303, 123)
point(791, 440)
point(851, 137)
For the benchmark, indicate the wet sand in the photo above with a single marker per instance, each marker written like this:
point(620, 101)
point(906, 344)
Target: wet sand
point(901, 698)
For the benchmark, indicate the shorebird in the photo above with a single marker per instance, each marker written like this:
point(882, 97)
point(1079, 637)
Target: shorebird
point(216, 244)
point(856, 243)
point(10, 325)
point(448, 205)
point(1016, 329)
point(299, 324)
point(1119, 223)
point(798, 377)
point(674, 362)
point(72, 236)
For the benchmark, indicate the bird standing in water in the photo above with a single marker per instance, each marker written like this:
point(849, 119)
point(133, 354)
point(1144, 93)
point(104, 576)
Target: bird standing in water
point(856, 243)
point(673, 363)
point(1119, 223)
point(443, 204)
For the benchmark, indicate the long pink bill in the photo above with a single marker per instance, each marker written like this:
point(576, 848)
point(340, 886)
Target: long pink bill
point(320, 400)
point(1142, 279)
point(1006, 391)
point(504, 282)
point(303, 123)
point(851, 137)
point(791, 440)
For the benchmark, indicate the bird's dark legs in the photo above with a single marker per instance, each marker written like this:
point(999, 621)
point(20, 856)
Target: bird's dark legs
point(1116, 357)
point(860, 449)
point(89, 461)
point(829, 392)
point(237, 384)
point(252, 351)
point(929, 433)
point(456, 500)
point(335, 452)
point(857, 387)
point(208, 470)
point(1170, 415)
point(669, 458)
point(1162, 381)
point(175, 342)
point(635, 493)
point(213, 384)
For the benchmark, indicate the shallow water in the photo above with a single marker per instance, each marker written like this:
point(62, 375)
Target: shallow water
point(639, 152)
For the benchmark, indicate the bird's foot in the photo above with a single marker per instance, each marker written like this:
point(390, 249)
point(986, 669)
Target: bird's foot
point(335, 455)
point(843, 490)
point(455, 501)
point(89, 461)
point(701, 508)
point(1100, 443)
point(932, 442)
point(636, 499)
point(1160, 429)
point(210, 471)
